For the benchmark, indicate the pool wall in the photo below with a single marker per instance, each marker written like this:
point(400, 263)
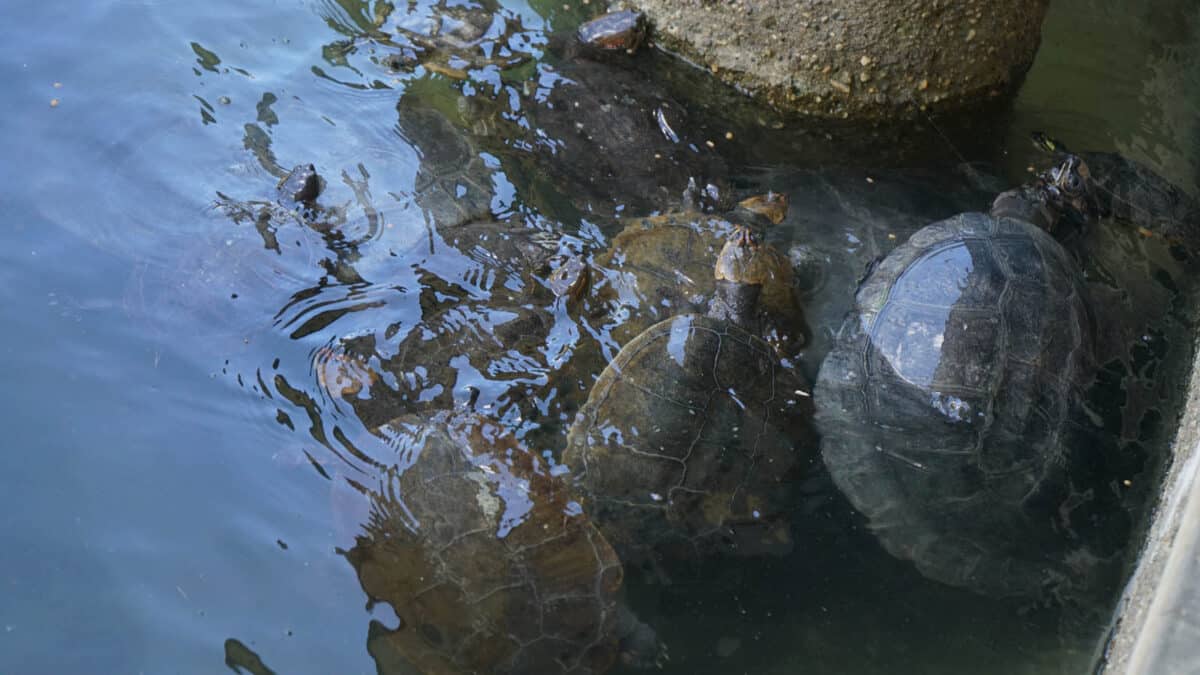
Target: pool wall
point(1156, 626)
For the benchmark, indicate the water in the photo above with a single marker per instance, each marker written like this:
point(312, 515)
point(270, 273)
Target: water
point(172, 456)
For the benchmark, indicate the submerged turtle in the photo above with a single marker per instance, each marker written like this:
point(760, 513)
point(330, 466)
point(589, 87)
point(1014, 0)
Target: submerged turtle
point(1126, 190)
point(691, 436)
point(450, 39)
point(489, 562)
point(660, 266)
point(485, 314)
point(454, 184)
point(951, 406)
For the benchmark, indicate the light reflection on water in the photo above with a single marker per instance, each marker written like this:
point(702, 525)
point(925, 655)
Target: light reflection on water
point(192, 391)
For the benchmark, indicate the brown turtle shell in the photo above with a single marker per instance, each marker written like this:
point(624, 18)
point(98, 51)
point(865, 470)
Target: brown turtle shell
point(487, 560)
point(690, 441)
point(660, 266)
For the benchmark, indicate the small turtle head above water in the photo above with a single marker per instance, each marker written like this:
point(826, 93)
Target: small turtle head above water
point(743, 270)
point(302, 185)
point(1068, 190)
point(769, 208)
point(743, 261)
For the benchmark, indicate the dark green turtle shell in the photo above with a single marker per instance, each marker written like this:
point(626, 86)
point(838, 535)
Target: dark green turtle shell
point(690, 440)
point(948, 406)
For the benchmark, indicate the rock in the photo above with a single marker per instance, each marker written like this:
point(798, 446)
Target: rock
point(910, 55)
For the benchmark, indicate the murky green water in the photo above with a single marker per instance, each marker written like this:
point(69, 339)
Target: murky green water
point(175, 431)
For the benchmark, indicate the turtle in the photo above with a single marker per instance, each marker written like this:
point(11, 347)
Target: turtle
point(659, 266)
point(691, 438)
point(302, 185)
point(449, 39)
point(1128, 191)
point(489, 294)
point(490, 564)
point(951, 407)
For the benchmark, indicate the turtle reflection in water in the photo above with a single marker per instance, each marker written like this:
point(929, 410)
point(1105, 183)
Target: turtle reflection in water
point(691, 437)
point(488, 562)
point(952, 408)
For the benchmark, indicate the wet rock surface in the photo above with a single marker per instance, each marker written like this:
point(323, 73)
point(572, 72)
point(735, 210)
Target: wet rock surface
point(855, 59)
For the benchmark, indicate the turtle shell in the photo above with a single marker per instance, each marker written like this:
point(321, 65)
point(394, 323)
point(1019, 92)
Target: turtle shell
point(1131, 192)
point(660, 266)
point(949, 406)
point(487, 560)
point(690, 440)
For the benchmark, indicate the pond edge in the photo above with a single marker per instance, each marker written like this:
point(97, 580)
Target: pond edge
point(1156, 625)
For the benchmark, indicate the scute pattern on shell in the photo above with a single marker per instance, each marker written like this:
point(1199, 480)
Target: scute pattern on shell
point(486, 559)
point(690, 440)
point(949, 406)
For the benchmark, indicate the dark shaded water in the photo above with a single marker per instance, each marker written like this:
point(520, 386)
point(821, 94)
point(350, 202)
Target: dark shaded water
point(170, 447)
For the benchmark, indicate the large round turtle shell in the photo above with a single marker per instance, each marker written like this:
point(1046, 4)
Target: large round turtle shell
point(487, 560)
point(660, 266)
point(689, 442)
point(947, 407)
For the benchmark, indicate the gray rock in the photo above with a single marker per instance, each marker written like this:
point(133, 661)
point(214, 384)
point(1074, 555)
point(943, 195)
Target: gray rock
point(856, 59)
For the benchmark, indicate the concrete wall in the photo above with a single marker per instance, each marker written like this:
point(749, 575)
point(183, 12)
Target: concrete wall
point(1157, 622)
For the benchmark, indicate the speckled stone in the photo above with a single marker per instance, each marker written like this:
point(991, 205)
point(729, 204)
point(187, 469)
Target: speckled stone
point(857, 59)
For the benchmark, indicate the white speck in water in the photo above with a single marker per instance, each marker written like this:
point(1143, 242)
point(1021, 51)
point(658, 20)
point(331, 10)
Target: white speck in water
point(656, 497)
point(733, 395)
point(757, 515)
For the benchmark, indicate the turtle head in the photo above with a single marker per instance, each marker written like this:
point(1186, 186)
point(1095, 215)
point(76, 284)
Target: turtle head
point(770, 208)
point(742, 268)
point(1046, 143)
point(1063, 194)
point(1066, 189)
point(302, 185)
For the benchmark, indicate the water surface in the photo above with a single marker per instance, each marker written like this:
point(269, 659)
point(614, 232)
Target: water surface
point(169, 443)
